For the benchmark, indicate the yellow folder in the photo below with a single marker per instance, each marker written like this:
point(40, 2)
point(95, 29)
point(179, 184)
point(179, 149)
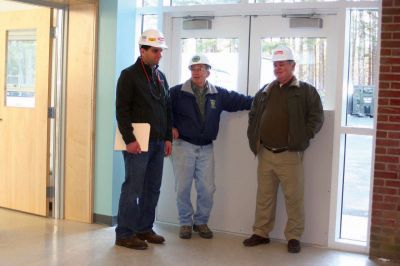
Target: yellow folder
point(141, 131)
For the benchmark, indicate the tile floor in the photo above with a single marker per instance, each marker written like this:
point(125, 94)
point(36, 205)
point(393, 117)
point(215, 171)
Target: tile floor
point(31, 240)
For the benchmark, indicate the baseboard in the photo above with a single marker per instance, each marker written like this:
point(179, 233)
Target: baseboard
point(104, 219)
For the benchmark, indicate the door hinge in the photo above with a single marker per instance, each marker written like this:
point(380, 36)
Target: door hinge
point(51, 112)
point(53, 32)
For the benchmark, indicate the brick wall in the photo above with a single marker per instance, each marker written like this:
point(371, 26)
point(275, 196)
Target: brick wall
point(385, 226)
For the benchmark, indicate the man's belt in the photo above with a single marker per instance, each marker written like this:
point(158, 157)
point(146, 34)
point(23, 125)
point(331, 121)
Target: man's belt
point(276, 150)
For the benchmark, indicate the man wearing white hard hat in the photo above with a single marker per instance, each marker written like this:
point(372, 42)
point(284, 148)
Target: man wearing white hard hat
point(286, 114)
point(143, 97)
point(197, 106)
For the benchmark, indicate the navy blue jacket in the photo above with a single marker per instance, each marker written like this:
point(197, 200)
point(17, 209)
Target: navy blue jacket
point(187, 117)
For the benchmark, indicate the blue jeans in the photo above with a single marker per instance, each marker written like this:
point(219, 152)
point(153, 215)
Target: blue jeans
point(192, 162)
point(140, 191)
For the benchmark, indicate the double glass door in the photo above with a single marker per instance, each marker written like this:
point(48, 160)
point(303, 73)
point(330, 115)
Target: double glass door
point(239, 49)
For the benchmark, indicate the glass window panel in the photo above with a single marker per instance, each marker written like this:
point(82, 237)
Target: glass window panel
point(21, 68)
point(292, 1)
point(224, 59)
point(363, 66)
point(146, 3)
point(356, 187)
point(149, 22)
point(202, 2)
point(310, 56)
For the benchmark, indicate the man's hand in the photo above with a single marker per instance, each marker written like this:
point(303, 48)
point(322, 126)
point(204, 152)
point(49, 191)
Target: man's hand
point(167, 148)
point(133, 147)
point(175, 133)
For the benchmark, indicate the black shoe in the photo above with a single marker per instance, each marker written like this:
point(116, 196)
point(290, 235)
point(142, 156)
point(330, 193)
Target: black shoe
point(293, 246)
point(255, 240)
point(131, 242)
point(151, 237)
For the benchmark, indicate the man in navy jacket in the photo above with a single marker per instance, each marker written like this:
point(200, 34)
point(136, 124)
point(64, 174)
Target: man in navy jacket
point(196, 107)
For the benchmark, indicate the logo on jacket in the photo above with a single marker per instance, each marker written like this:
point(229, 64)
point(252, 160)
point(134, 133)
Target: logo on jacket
point(213, 104)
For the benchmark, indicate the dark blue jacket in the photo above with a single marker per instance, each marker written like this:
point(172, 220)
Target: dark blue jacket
point(187, 117)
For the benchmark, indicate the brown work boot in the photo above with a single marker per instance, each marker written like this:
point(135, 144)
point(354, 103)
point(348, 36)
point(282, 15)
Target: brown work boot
point(203, 230)
point(255, 240)
point(185, 231)
point(151, 237)
point(131, 242)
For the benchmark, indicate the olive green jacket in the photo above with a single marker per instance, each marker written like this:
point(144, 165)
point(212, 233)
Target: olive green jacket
point(306, 115)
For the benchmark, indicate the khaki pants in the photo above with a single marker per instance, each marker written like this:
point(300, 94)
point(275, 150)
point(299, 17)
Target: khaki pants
point(285, 168)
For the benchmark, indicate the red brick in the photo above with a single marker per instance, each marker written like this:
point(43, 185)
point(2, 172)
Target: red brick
point(387, 35)
point(385, 190)
point(384, 85)
point(383, 101)
point(386, 175)
point(378, 182)
point(380, 150)
point(385, 68)
point(386, 51)
point(395, 119)
point(389, 94)
point(377, 198)
point(389, 215)
point(376, 213)
point(396, 68)
point(380, 166)
point(395, 51)
point(394, 135)
point(387, 19)
point(390, 11)
point(386, 159)
point(387, 3)
point(395, 85)
point(388, 110)
point(393, 199)
point(395, 35)
point(390, 60)
point(383, 206)
point(393, 151)
point(389, 77)
point(387, 126)
point(381, 134)
point(394, 102)
point(383, 118)
point(396, 19)
point(392, 183)
point(393, 167)
point(387, 142)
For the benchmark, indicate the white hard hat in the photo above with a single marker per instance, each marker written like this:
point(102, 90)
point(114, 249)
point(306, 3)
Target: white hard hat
point(152, 38)
point(282, 53)
point(199, 59)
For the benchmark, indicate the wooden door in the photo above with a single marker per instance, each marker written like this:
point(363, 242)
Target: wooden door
point(25, 49)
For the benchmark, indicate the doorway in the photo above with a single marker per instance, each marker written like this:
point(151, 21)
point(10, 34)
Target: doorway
point(25, 99)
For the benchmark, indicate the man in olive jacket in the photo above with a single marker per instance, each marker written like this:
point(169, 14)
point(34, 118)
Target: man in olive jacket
point(285, 115)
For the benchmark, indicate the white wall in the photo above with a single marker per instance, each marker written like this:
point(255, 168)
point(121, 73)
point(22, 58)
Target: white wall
point(236, 182)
